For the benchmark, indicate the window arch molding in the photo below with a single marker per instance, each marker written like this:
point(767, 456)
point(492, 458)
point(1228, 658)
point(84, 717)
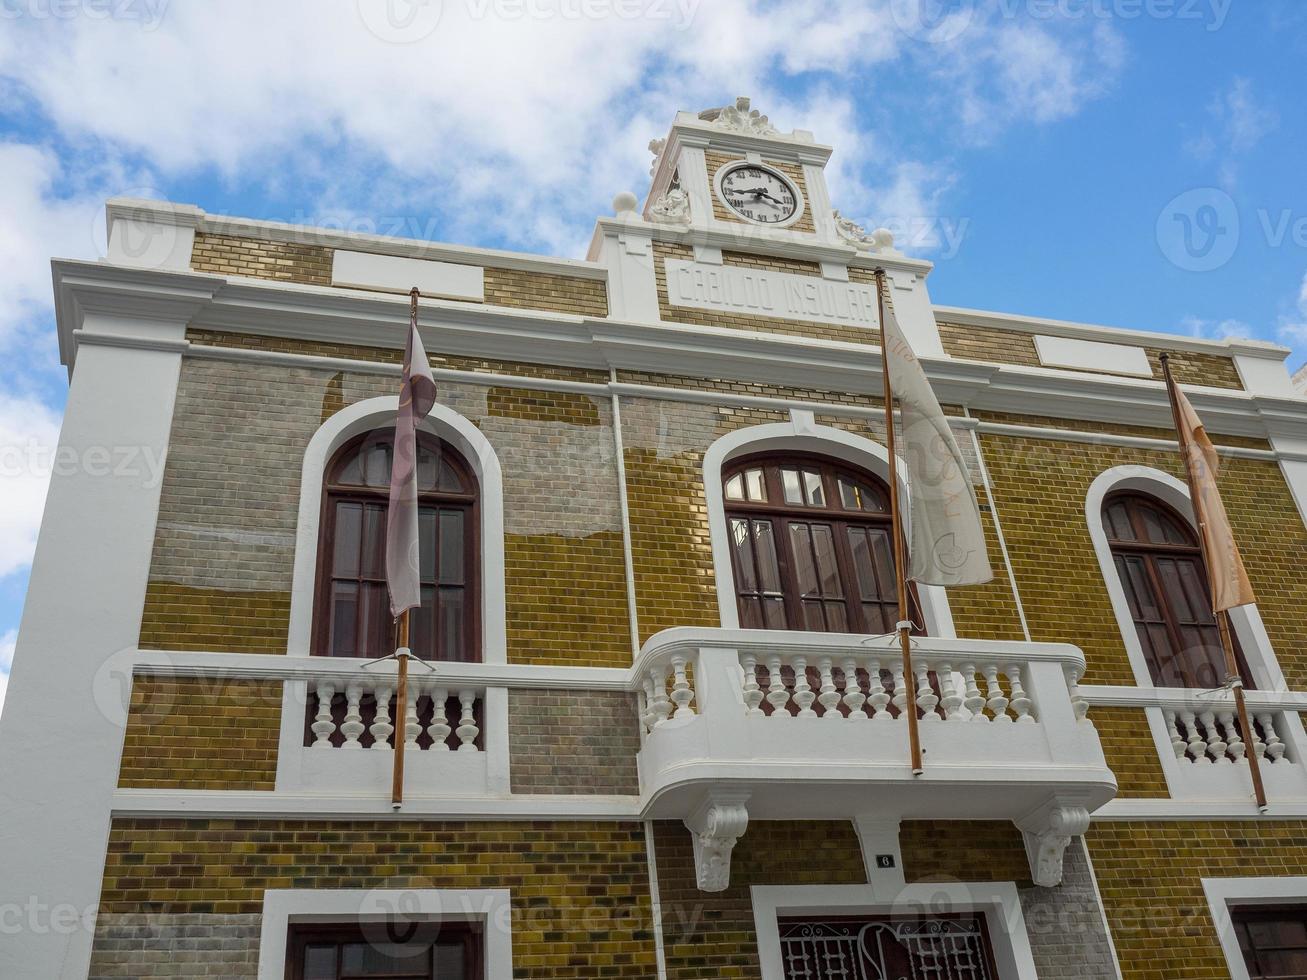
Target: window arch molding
point(458, 431)
point(1245, 620)
point(799, 435)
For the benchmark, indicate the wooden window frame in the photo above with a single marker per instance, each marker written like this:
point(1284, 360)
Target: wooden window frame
point(1150, 552)
point(300, 937)
point(1241, 915)
point(334, 493)
point(782, 515)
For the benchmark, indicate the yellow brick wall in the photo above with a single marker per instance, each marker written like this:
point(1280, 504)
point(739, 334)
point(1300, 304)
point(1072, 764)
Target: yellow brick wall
point(201, 733)
point(293, 262)
point(996, 345)
point(1040, 487)
point(1130, 751)
point(1150, 876)
point(229, 255)
point(963, 850)
point(716, 159)
point(580, 889)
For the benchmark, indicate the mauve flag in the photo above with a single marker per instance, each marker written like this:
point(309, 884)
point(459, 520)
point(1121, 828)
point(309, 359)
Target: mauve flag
point(1230, 585)
point(946, 540)
point(417, 393)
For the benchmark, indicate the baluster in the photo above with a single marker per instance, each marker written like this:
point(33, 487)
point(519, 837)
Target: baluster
point(1197, 746)
point(381, 726)
point(1234, 746)
point(804, 695)
point(411, 726)
point(926, 696)
point(438, 730)
point(1079, 703)
point(682, 693)
point(829, 697)
point(1274, 746)
point(878, 697)
point(1020, 703)
point(1177, 740)
point(854, 699)
point(777, 695)
point(467, 730)
point(900, 697)
point(352, 726)
point(1215, 744)
point(752, 692)
point(661, 706)
point(995, 700)
point(646, 705)
point(973, 700)
point(950, 700)
point(323, 726)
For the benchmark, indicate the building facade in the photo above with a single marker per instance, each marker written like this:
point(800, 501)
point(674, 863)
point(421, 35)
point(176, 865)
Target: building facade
point(662, 734)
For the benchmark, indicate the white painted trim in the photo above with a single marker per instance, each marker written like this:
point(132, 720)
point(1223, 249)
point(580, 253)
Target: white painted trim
point(1077, 354)
point(1125, 696)
point(999, 901)
point(628, 558)
point(655, 900)
point(490, 907)
point(1222, 893)
point(998, 529)
point(375, 413)
point(221, 804)
point(1102, 909)
point(1226, 808)
point(797, 435)
point(799, 200)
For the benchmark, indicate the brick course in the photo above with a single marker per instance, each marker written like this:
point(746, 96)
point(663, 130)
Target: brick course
point(573, 742)
point(580, 889)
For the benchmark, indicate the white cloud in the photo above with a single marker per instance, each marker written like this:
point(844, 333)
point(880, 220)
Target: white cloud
point(1237, 123)
point(1292, 328)
point(29, 432)
point(7, 643)
point(1196, 326)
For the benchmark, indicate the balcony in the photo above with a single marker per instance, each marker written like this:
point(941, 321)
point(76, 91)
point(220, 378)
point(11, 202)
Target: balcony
point(755, 724)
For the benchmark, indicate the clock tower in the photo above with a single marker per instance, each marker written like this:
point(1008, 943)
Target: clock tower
point(738, 231)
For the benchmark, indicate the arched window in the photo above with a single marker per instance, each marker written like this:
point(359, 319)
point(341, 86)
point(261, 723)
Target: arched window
point(352, 613)
point(1160, 565)
point(810, 546)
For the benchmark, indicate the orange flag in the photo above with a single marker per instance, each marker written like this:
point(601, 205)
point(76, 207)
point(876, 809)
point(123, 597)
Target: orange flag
point(1230, 585)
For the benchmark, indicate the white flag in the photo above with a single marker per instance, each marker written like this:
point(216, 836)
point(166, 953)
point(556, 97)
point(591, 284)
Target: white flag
point(946, 540)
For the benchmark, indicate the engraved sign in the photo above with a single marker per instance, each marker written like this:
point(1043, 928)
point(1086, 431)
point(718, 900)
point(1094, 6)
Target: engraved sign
point(757, 292)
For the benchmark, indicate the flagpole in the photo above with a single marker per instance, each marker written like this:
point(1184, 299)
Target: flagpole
point(1233, 678)
point(401, 712)
point(904, 626)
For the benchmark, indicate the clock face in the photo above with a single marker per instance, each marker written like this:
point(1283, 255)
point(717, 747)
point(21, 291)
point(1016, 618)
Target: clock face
point(759, 194)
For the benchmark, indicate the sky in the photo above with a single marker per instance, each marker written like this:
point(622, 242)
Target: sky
point(1134, 163)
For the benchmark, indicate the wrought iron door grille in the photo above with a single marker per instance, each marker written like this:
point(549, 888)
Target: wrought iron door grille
point(886, 949)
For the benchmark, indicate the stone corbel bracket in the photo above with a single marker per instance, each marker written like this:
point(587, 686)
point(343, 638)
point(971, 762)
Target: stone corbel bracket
point(1047, 833)
point(716, 826)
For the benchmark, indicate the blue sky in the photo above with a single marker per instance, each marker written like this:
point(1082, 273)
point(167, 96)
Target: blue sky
point(1127, 162)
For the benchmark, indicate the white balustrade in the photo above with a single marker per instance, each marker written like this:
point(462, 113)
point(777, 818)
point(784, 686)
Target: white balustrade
point(369, 709)
point(1211, 735)
point(668, 692)
point(781, 685)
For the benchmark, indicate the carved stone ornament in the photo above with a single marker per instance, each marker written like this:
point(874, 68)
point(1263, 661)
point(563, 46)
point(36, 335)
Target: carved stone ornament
point(739, 118)
point(656, 148)
point(1047, 840)
point(715, 829)
point(851, 231)
point(672, 208)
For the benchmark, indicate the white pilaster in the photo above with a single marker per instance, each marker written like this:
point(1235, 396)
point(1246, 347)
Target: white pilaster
point(62, 728)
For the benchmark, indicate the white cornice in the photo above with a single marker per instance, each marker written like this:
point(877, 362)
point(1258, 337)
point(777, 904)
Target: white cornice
point(759, 240)
point(1111, 335)
point(188, 215)
point(320, 313)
